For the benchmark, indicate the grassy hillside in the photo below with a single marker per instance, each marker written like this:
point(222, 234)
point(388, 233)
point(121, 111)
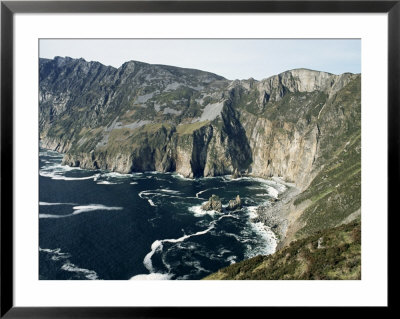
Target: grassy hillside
point(333, 253)
point(335, 193)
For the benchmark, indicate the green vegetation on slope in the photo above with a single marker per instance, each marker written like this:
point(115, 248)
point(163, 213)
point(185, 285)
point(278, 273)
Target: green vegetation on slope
point(295, 105)
point(152, 135)
point(335, 193)
point(184, 129)
point(334, 253)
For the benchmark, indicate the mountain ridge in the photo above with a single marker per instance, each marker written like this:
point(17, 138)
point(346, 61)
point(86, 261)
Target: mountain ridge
point(187, 68)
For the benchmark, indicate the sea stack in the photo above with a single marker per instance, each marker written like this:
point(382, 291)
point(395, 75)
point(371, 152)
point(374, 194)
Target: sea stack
point(235, 204)
point(214, 203)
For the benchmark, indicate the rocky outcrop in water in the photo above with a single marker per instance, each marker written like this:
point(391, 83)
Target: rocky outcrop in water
point(214, 203)
point(234, 204)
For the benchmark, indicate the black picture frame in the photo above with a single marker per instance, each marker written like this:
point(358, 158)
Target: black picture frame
point(9, 8)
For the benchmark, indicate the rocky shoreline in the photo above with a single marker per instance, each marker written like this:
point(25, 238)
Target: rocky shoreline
point(275, 214)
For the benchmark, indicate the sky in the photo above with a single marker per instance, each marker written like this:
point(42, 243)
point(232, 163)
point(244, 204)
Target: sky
point(231, 58)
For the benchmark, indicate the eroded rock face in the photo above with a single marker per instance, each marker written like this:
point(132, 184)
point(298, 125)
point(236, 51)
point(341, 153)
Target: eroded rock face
point(149, 117)
point(214, 203)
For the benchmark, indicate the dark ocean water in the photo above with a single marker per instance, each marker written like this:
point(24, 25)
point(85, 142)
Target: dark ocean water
point(102, 225)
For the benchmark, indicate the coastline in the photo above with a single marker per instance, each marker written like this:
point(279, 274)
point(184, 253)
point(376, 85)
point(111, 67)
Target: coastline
point(274, 215)
point(264, 242)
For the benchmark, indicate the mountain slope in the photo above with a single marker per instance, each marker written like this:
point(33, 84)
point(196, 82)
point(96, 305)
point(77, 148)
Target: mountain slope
point(330, 254)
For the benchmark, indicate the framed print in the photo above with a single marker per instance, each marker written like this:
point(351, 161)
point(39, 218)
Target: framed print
point(163, 155)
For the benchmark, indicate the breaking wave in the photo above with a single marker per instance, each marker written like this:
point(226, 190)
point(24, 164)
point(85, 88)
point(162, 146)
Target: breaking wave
point(57, 255)
point(203, 191)
point(106, 183)
point(51, 204)
point(57, 175)
point(81, 209)
point(154, 276)
point(88, 274)
point(157, 246)
point(199, 212)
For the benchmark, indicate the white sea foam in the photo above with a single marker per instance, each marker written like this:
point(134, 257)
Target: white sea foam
point(53, 216)
point(252, 211)
point(56, 172)
point(152, 276)
point(273, 187)
point(232, 259)
point(196, 264)
point(51, 204)
point(280, 187)
point(163, 258)
point(89, 274)
point(223, 251)
point(170, 191)
point(255, 187)
point(272, 192)
point(142, 193)
point(159, 192)
point(203, 191)
point(116, 175)
point(60, 168)
point(133, 183)
point(180, 176)
point(158, 244)
point(198, 212)
point(56, 253)
point(237, 237)
point(57, 176)
point(262, 194)
point(267, 238)
point(145, 195)
point(106, 183)
point(92, 207)
point(265, 242)
point(81, 209)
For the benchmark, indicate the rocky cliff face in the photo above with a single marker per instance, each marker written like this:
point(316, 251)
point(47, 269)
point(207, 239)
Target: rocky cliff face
point(153, 117)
